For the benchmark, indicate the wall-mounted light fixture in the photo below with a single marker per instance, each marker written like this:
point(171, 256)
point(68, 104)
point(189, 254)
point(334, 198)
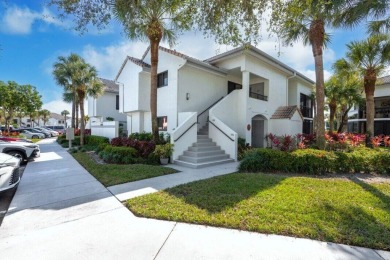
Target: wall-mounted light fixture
point(187, 96)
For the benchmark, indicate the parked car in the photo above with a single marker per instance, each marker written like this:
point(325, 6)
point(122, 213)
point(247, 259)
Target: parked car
point(14, 139)
point(43, 130)
point(9, 172)
point(22, 150)
point(59, 128)
point(33, 130)
point(52, 132)
point(32, 135)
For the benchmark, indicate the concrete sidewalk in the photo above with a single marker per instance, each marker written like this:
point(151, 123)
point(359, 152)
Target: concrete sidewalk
point(61, 212)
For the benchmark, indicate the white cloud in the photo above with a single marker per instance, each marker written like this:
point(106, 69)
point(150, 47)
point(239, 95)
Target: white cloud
point(109, 59)
point(18, 20)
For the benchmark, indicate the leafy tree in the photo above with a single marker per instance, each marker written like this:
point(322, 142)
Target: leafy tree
point(64, 72)
point(64, 113)
point(45, 115)
point(20, 114)
point(369, 57)
point(150, 20)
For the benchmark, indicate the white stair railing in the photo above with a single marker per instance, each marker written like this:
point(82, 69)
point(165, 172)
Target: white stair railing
point(184, 135)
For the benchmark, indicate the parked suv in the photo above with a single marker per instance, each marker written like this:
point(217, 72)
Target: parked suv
point(21, 150)
point(59, 128)
point(9, 172)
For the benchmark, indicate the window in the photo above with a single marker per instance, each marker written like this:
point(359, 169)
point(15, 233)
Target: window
point(117, 102)
point(257, 91)
point(162, 123)
point(306, 105)
point(232, 86)
point(162, 79)
point(307, 127)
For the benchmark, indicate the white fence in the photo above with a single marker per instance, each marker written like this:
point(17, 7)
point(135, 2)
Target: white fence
point(108, 129)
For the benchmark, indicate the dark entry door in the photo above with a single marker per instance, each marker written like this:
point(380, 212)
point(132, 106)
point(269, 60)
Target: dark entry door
point(257, 133)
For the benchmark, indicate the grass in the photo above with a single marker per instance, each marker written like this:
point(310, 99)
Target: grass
point(112, 174)
point(328, 209)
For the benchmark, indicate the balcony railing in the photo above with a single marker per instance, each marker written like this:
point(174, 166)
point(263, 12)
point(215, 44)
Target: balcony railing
point(258, 96)
point(307, 112)
point(380, 112)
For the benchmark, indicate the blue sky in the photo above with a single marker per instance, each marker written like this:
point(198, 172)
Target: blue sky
point(32, 38)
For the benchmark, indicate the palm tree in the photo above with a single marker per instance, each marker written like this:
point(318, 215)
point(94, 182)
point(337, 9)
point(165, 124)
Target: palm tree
point(86, 83)
point(369, 57)
point(65, 71)
point(155, 21)
point(64, 113)
point(332, 93)
point(45, 115)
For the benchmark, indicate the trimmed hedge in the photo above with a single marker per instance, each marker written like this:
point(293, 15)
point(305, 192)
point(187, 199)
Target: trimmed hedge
point(311, 161)
point(120, 155)
point(96, 140)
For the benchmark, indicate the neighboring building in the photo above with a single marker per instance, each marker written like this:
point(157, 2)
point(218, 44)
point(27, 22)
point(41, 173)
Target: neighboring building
point(54, 119)
point(107, 105)
point(57, 120)
point(357, 118)
point(241, 93)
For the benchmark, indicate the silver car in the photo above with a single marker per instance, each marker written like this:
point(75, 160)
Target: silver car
point(32, 135)
point(9, 172)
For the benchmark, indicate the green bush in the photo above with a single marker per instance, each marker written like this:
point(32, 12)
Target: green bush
point(100, 147)
point(95, 140)
point(119, 155)
point(311, 161)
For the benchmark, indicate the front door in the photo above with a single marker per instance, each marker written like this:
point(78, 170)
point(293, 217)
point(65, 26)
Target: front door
point(257, 133)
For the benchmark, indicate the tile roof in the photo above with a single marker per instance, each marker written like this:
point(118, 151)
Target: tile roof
point(286, 112)
point(57, 116)
point(383, 80)
point(110, 86)
point(136, 61)
point(268, 57)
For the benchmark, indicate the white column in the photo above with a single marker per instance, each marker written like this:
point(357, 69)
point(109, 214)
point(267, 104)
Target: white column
point(248, 119)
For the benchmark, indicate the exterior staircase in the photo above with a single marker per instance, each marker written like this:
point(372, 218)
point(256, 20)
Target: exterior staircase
point(203, 153)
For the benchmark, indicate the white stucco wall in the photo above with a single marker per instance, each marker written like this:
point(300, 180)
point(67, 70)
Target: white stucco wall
point(105, 106)
point(291, 126)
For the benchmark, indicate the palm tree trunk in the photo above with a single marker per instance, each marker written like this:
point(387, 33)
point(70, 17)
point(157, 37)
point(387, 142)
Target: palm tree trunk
point(153, 88)
point(332, 112)
point(73, 109)
point(82, 126)
point(369, 87)
point(316, 37)
point(344, 119)
point(77, 114)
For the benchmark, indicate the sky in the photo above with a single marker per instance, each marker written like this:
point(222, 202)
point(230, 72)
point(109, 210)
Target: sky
point(32, 38)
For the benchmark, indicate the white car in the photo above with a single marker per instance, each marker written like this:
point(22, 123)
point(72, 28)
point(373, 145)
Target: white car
point(9, 172)
point(23, 151)
point(32, 135)
point(52, 132)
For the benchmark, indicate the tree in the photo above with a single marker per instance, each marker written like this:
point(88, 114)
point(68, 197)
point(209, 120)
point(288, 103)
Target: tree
point(20, 114)
point(369, 57)
point(64, 72)
point(150, 20)
point(87, 84)
point(64, 113)
point(45, 115)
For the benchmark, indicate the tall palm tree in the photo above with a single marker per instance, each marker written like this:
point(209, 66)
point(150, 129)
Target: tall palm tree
point(332, 93)
point(369, 57)
point(64, 113)
point(155, 21)
point(45, 115)
point(87, 83)
point(64, 72)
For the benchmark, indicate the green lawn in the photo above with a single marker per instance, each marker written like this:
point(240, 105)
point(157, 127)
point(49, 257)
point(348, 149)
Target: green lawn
point(327, 209)
point(112, 174)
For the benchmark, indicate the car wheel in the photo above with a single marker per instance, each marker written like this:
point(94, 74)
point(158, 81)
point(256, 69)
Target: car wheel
point(17, 154)
point(35, 137)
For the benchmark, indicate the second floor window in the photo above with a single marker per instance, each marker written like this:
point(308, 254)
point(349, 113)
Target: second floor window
point(162, 79)
point(306, 104)
point(117, 102)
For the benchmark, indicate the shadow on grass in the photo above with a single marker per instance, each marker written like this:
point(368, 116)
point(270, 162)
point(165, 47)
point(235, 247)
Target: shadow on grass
point(354, 226)
point(385, 199)
point(220, 193)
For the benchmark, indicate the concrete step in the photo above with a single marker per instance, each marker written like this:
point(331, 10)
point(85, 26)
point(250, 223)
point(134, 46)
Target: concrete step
point(203, 137)
point(204, 140)
point(203, 153)
point(204, 158)
point(204, 144)
point(203, 133)
point(201, 165)
point(204, 148)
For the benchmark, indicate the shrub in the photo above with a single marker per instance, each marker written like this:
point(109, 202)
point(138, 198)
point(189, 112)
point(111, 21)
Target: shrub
point(120, 155)
point(100, 147)
point(96, 140)
point(311, 161)
point(141, 136)
point(144, 148)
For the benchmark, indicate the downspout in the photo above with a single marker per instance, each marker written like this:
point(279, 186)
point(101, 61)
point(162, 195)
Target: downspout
point(287, 80)
point(177, 93)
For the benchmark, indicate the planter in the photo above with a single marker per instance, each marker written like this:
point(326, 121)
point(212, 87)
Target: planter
point(164, 161)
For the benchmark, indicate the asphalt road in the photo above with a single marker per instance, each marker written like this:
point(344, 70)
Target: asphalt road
point(6, 198)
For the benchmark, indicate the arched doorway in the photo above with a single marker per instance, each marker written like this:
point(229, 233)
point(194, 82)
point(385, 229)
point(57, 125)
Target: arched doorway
point(258, 130)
